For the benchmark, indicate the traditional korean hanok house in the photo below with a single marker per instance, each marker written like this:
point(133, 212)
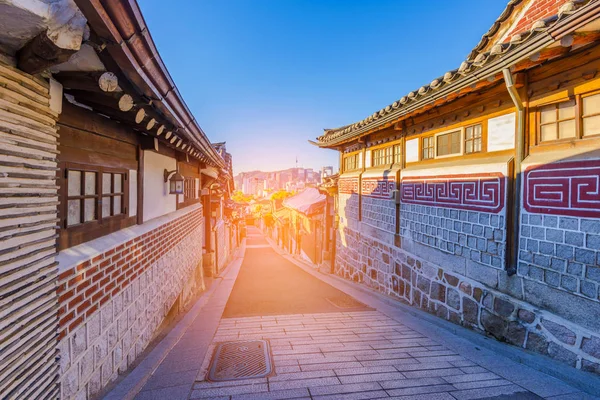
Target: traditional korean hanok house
point(307, 222)
point(102, 167)
point(476, 196)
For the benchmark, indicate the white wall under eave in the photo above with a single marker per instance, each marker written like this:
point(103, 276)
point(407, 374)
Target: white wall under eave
point(157, 200)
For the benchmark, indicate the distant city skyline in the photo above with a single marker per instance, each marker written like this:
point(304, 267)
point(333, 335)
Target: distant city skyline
point(285, 70)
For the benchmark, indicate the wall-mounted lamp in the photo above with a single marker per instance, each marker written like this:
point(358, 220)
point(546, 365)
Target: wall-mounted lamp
point(175, 183)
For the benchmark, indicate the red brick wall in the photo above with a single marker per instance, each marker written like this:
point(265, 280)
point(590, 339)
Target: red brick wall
point(540, 9)
point(84, 288)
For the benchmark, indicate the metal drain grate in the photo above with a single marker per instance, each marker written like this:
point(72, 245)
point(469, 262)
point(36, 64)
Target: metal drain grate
point(240, 360)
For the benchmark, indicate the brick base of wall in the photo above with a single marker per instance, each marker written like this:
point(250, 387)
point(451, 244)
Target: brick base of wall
point(439, 290)
point(113, 304)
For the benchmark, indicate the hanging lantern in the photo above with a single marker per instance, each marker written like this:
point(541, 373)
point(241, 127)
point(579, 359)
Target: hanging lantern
point(175, 183)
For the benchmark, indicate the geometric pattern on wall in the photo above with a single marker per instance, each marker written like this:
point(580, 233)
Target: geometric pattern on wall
point(380, 188)
point(564, 188)
point(348, 185)
point(483, 192)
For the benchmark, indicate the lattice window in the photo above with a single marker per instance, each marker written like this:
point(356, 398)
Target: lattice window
point(93, 194)
point(473, 139)
point(558, 121)
point(428, 148)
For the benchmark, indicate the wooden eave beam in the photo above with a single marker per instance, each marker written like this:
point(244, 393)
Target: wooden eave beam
point(41, 53)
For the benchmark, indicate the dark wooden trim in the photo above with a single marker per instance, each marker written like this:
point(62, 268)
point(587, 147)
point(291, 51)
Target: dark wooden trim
point(140, 187)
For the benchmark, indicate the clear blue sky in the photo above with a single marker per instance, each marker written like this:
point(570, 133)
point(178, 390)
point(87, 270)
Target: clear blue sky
point(267, 75)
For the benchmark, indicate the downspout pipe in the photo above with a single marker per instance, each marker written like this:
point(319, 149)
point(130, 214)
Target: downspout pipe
point(512, 259)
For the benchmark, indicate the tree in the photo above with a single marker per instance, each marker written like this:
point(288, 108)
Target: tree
point(281, 195)
point(240, 197)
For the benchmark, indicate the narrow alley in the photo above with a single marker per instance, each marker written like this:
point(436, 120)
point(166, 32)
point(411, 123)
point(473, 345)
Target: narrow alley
point(325, 344)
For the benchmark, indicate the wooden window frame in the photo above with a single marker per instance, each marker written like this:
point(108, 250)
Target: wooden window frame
point(579, 118)
point(85, 231)
point(430, 148)
point(466, 141)
point(582, 117)
point(382, 156)
point(189, 192)
point(576, 118)
point(355, 164)
point(460, 152)
point(397, 153)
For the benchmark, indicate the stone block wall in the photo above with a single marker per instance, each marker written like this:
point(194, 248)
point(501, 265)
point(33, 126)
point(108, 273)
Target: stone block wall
point(478, 236)
point(500, 307)
point(561, 251)
point(112, 304)
point(449, 260)
point(222, 237)
point(380, 213)
point(28, 218)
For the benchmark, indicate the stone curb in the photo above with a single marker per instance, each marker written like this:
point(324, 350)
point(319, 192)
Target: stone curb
point(133, 383)
point(578, 379)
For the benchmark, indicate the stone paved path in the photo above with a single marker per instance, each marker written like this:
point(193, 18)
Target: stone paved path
point(341, 355)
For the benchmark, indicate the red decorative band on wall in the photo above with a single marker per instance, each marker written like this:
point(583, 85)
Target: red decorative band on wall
point(379, 188)
point(474, 192)
point(82, 290)
point(348, 185)
point(564, 188)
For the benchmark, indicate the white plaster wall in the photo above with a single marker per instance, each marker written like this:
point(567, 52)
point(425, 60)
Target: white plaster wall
point(157, 200)
point(132, 192)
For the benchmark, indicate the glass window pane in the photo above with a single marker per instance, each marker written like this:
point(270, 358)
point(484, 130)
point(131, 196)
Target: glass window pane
point(89, 210)
point(455, 142)
point(591, 126)
point(566, 110)
point(477, 145)
point(469, 133)
point(117, 205)
point(74, 212)
point(469, 146)
point(74, 183)
point(106, 186)
point(566, 129)
point(106, 207)
point(90, 183)
point(591, 104)
point(548, 114)
point(118, 180)
point(548, 132)
point(477, 131)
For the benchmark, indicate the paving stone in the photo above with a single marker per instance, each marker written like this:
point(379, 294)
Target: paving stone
point(428, 373)
point(471, 377)
point(328, 366)
point(227, 391)
point(345, 388)
point(304, 383)
point(509, 392)
point(385, 376)
point(274, 395)
point(301, 375)
point(171, 393)
point(364, 370)
point(404, 383)
point(374, 394)
point(481, 384)
point(420, 390)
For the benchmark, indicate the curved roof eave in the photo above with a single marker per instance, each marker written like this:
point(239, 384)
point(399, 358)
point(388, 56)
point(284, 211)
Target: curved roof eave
point(121, 25)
